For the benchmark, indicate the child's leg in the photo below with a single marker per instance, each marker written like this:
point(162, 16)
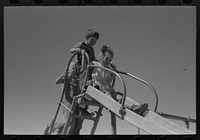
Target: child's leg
point(78, 122)
point(73, 124)
point(129, 103)
point(78, 127)
point(132, 105)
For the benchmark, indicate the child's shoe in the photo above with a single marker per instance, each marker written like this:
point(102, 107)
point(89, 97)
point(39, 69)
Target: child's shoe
point(139, 109)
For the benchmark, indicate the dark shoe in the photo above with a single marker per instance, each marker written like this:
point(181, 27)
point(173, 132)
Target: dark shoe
point(97, 87)
point(139, 109)
point(144, 113)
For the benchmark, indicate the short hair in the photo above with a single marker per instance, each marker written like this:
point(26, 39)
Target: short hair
point(91, 32)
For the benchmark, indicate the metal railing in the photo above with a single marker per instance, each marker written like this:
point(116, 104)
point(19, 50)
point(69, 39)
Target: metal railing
point(149, 85)
point(61, 99)
point(180, 118)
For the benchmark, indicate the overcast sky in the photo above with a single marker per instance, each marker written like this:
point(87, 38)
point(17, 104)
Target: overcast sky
point(156, 44)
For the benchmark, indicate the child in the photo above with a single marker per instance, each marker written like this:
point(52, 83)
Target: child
point(103, 79)
point(74, 70)
point(91, 38)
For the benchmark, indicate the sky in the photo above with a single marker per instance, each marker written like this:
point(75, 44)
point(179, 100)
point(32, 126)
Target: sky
point(154, 43)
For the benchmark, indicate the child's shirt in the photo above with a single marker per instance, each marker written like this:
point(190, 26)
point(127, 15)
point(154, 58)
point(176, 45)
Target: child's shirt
point(102, 77)
point(89, 50)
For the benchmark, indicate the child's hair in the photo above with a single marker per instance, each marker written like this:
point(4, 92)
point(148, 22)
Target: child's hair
point(105, 49)
point(91, 32)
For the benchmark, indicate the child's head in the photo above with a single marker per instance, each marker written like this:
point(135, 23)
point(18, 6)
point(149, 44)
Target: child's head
point(91, 37)
point(106, 55)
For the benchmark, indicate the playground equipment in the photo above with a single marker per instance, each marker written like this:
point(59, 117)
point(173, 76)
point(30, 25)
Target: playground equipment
point(151, 122)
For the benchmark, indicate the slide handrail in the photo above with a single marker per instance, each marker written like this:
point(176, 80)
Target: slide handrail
point(149, 85)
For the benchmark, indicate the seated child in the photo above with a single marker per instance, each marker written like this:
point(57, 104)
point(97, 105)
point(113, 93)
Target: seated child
point(103, 79)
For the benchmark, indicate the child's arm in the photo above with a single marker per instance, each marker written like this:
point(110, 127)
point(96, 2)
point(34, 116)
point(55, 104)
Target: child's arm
point(73, 50)
point(76, 48)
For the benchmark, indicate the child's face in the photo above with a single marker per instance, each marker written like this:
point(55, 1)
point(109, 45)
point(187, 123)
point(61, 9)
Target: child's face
point(92, 41)
point(107, 58)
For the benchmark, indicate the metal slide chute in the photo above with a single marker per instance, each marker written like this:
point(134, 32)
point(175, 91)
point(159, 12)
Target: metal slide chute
point(151, 123)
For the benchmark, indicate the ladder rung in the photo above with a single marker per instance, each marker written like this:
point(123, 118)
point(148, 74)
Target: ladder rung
point(85, 117)
point(65, 107)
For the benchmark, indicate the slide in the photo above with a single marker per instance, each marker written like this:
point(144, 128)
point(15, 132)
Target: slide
point(151, 123)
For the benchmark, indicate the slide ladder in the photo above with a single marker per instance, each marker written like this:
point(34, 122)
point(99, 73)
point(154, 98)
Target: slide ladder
point(73, 115)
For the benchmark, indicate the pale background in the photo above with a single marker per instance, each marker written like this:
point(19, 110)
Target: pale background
point(156, 44)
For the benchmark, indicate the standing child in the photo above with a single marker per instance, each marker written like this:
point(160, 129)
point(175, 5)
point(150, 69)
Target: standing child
point(74, 70)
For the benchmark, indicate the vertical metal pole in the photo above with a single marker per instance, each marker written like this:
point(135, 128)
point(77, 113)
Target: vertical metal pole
point(96, 120)
point(63, 92)
point(71, 113)
point(113, 123)
point(138, 131)
point(113, 117)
